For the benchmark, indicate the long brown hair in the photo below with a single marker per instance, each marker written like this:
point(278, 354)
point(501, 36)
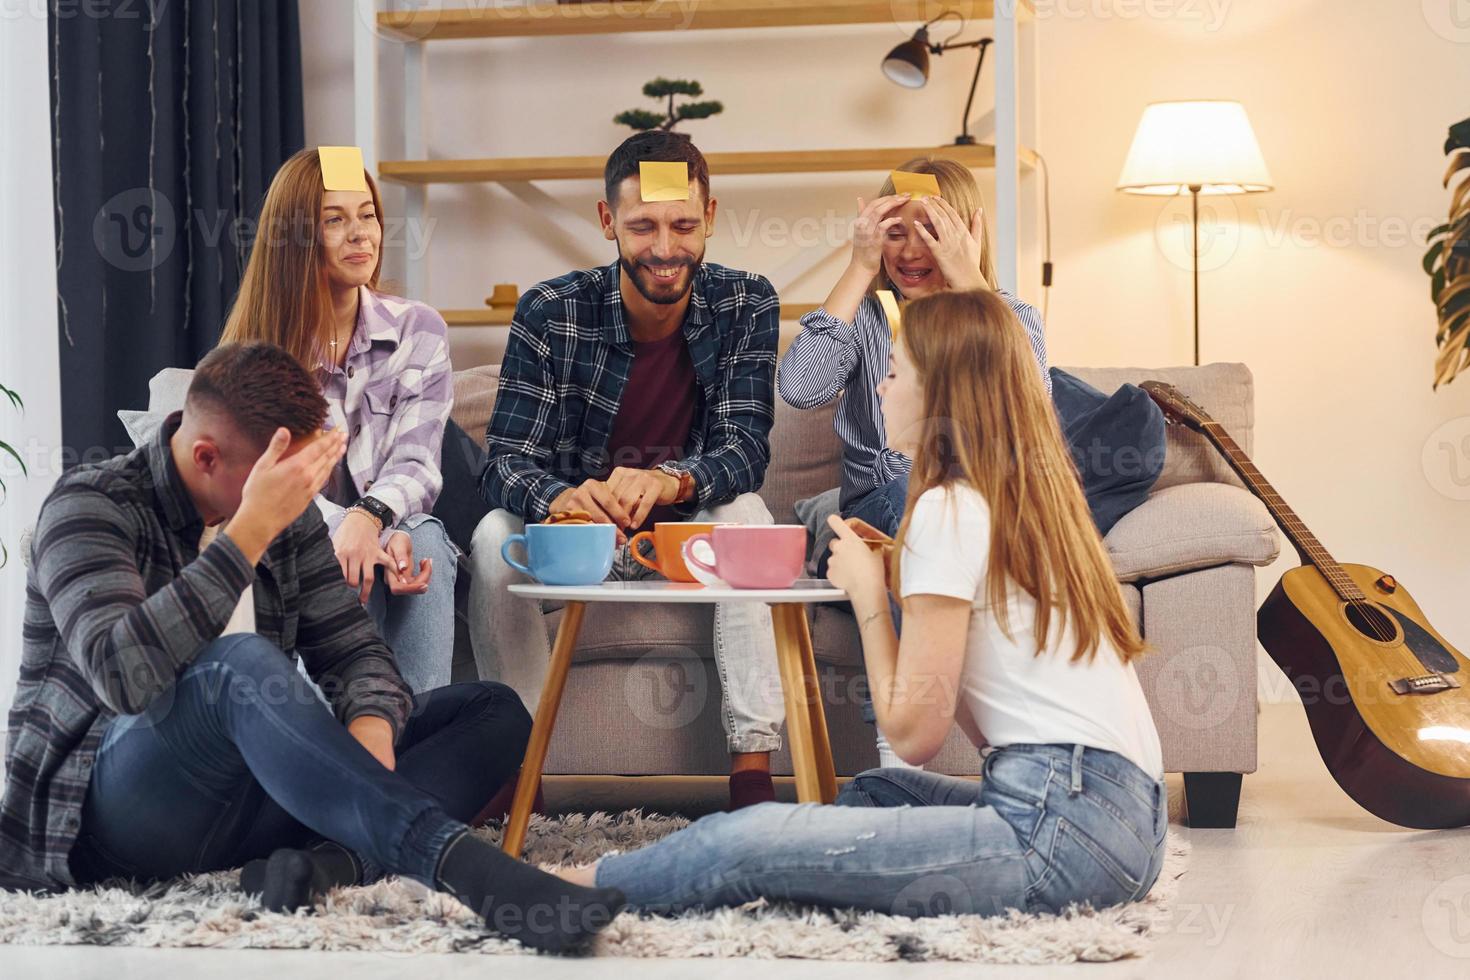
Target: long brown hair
point(284, 298)
point(987, 422)
point(957, 186)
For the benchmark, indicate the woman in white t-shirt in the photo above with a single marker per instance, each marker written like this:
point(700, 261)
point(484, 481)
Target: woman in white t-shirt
point(1014, 629)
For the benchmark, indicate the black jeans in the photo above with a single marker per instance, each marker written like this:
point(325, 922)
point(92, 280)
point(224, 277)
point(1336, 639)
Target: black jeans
point(241, 757)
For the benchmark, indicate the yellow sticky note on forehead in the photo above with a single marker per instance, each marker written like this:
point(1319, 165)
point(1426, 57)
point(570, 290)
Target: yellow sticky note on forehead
point(915, 185)
point(889, 303)
point(663, 181)
point(342, 168)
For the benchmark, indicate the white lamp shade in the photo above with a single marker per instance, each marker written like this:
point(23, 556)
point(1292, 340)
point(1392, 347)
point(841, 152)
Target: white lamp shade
point(1207, 144)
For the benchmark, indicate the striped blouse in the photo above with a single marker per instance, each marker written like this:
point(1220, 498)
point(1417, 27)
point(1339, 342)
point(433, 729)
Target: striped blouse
point(831, 356)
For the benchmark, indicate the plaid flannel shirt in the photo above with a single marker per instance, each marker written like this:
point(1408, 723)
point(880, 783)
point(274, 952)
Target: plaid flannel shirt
point(392, 397)
point(567, 362)
point(120, 600)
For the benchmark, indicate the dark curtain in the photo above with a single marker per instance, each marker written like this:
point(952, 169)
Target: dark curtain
point(168, 121)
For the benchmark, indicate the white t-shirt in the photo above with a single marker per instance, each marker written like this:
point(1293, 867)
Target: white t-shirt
point(1016, 695)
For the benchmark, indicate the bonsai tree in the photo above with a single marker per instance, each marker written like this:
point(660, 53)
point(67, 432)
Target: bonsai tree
point(1448, 263)
point(6, 449)
point(667, 88)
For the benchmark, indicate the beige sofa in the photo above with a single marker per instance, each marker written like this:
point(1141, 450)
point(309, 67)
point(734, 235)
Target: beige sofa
point(643, 697)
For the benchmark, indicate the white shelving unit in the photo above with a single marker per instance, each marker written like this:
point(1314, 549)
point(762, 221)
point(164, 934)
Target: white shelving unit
point(1011, 22)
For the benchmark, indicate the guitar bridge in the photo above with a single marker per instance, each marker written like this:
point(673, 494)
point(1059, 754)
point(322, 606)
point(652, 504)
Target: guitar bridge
point(1423, 684)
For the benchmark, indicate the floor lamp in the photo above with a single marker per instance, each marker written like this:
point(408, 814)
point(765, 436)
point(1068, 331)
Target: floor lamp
point(1194, 148)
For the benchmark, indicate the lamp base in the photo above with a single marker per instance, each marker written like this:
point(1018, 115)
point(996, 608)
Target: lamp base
point(965, 140)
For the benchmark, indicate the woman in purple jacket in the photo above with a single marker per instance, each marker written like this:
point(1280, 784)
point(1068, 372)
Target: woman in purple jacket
point(383, 364)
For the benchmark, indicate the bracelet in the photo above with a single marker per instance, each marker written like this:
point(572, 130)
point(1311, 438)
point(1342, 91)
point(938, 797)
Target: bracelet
point(369, 515)
point(870, 618)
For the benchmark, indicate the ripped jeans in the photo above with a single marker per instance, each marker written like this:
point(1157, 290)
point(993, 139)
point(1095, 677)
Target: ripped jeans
point(1049, 826)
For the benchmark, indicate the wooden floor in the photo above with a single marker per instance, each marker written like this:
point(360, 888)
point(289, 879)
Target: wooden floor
point(1307, 886)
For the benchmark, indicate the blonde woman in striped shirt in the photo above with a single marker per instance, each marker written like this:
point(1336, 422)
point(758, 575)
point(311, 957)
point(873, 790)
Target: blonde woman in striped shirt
point(914, 248)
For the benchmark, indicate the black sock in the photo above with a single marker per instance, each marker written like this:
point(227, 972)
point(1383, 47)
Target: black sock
point(521, 902)
point(290, 879)
point(749, 787)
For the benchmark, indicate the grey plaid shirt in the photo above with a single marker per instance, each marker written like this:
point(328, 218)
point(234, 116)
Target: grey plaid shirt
point(566, 365)
point(119, 601)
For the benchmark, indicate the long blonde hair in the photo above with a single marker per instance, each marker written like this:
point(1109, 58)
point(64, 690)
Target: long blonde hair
point(285, 298)
point(957, 186)
point(987, 422)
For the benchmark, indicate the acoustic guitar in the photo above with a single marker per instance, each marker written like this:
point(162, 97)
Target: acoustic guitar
point(1383, 690)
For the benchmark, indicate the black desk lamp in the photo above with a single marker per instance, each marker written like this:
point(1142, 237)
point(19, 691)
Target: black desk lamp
point(908, 64)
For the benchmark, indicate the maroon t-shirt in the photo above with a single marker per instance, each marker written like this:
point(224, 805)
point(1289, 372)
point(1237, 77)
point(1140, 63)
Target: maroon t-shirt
point(657, 411)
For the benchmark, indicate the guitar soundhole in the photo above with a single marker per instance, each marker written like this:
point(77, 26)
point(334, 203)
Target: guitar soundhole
point(1371, 621)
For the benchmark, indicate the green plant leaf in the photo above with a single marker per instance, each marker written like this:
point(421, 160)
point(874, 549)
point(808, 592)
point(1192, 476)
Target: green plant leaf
point(661, 88)
point(639, 119)
point(1436, 249)
point(5, 447)
point(14, 398)
point(698, 110)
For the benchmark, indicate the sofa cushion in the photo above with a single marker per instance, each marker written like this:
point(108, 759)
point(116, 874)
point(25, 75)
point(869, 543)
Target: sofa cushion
point(1226, 391)
point(806, 459)
point(613, 631)
point(1196, 525)
point(474, 399)
point(1117, 442)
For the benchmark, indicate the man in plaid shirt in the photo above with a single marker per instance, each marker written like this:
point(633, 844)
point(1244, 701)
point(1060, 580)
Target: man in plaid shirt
point(641, 392)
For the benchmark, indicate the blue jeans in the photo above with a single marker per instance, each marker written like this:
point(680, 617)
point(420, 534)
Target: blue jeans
point(240, 757)
point(1049, 826)
point(419, 629)
point(882, 507)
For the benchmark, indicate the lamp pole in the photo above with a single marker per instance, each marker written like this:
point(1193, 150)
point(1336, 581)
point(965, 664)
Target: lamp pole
point(1194, 190)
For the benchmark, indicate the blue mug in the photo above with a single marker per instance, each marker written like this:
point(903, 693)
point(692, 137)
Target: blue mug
point(565, 554)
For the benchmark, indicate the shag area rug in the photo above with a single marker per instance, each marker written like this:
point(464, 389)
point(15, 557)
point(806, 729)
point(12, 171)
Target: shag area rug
point(402, 916)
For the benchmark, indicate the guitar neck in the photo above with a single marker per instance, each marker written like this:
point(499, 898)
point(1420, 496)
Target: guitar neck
point(1302, 539)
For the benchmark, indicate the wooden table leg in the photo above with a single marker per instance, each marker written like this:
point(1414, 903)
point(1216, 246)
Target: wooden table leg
point(798, 717)
point(556, 682)
point(821, 741)
point(798, 720)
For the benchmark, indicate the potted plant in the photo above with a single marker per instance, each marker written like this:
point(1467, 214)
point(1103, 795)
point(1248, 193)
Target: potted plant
point(6, 449)
point(1448, 263)
point(668, 88)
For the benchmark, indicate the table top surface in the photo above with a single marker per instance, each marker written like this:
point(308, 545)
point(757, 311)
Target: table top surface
point(801, 591)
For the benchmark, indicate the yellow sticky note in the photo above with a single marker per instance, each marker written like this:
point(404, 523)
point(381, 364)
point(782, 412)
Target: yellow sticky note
point(889, 303)
point(663, 181)
point(915, 185)
point(342, 168)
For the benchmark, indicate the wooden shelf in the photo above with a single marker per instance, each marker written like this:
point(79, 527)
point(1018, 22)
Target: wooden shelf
point(486, 317)
point(979, 156)
point(630, 16)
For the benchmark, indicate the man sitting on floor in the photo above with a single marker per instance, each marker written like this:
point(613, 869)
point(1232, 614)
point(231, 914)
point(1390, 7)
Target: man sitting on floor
point(158, 728)
point(639, 392)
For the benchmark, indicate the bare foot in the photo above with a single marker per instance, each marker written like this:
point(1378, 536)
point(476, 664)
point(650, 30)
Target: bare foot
point(586, 875)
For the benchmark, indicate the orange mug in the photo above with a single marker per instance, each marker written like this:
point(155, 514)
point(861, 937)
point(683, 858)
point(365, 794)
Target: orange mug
point(668, 540)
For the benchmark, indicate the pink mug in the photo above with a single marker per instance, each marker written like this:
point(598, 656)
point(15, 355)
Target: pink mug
point(763, 556)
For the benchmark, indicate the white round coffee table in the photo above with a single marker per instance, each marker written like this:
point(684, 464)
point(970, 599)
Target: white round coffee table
point(806, 722)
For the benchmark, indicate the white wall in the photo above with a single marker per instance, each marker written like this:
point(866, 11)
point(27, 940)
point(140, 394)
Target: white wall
point(28, 358)
point(1316, 286)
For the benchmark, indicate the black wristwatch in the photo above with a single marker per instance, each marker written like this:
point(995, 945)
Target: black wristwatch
point(378, 509)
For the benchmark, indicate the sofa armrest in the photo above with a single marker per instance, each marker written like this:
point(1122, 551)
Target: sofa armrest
point(1191, 526)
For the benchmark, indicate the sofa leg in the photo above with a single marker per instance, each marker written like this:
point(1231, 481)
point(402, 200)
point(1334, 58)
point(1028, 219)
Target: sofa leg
point(1211, 799)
